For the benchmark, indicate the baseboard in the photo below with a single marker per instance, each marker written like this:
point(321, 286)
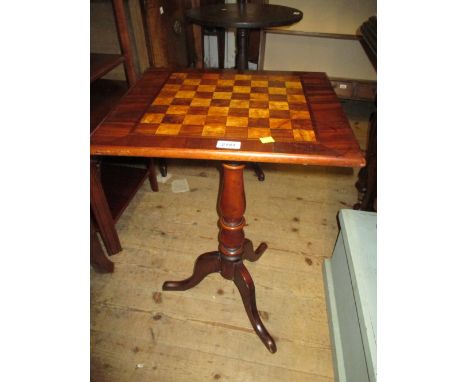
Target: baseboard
point(359, 90)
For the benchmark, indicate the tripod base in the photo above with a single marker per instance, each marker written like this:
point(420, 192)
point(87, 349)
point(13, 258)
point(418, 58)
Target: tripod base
point(236, 271)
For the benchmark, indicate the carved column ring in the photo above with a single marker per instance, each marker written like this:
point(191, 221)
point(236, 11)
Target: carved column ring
point(230, 227)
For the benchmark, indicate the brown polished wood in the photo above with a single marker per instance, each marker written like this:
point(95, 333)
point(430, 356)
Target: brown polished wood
point(102, 212)
point(124, 40)
point(168, 41)
point(113, 183)
point(367, 178)
point(102, 63)
point(232, 249)
point(99, 260)
point(161, 116)
point(104, 95)
point(335, 144)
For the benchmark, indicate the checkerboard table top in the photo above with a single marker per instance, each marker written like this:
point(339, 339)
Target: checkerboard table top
point(228, 105)
point(185, 114)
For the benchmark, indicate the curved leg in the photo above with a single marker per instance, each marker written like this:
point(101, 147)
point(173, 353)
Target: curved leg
point(258, 171)
point(163, 167)
point(250, 254)
point(152, 175)
point(246, 287)
point(204, 265)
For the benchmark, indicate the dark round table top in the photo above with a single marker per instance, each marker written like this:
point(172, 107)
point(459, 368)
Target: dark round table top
point(244, 16)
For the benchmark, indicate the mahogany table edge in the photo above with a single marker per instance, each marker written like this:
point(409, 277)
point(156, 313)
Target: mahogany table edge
point(230, 156)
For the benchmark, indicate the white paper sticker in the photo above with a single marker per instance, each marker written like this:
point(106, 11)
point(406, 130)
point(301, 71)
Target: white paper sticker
point(228, 145)
point(180, 185)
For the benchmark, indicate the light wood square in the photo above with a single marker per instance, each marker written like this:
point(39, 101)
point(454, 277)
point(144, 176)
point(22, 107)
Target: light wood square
point(222, 95)
point(168, 129)
point(218, 110)
point(185, 94)
point(278, 105)
point(279, 123)
point(258, 132)
point(259, 113)
point(241, 89)
point(293, 84)
point(225, 82)
point(296, 98)
point(304, 135)
point(215, 130)
point(177, 109)
point(152, 118)
point(192, 81)
point(194, 120)
point(206, 88)
point(259, 96)
point(237, 121)
point(259, 84)
point(239, 103)
point(277, 90)
point(201, 102)
point(163, 100)
point(299, 114)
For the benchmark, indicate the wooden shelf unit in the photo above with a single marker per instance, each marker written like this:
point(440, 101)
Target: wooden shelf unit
point(120, 184)
point(103, 63)
point(118, 181)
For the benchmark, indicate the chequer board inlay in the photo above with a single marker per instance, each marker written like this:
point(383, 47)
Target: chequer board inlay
point(230, 106)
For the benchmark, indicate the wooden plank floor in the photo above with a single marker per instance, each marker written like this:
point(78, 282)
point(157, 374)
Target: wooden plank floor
point(140, 333)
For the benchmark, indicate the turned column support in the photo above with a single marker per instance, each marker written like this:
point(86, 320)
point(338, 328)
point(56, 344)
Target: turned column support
point(231, 221)
point(232, 249)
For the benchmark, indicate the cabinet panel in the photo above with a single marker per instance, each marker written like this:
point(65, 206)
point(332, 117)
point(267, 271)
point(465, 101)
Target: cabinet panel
point(166, 32)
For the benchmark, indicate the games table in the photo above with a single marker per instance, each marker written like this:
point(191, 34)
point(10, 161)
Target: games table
point(221, 115)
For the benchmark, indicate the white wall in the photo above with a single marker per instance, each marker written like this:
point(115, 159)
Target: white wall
point(338, 58)
point(330, 16)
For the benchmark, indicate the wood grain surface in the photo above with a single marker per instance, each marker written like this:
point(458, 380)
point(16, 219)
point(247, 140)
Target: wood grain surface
point(333, 143)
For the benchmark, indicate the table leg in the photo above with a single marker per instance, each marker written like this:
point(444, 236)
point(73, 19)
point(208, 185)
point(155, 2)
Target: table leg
point(102, 213)
point(233, 248)
point(242, 45)
point(99, 260)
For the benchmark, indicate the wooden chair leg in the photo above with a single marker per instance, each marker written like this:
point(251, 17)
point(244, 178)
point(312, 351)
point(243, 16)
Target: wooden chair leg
point(99, 260)
point(367, 181)
point(258, 171)
point(102, 213)
point(152, 175)
point(163, 167)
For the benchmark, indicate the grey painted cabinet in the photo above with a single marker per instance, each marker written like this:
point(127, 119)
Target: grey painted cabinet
point(350, 278)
